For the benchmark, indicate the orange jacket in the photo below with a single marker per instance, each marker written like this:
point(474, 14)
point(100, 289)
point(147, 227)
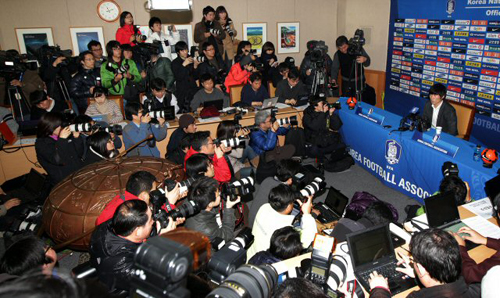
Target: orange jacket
point(236, 76)
point(221, 168)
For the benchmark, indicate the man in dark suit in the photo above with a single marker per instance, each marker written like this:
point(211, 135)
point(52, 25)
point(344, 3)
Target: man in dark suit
point(440, 113)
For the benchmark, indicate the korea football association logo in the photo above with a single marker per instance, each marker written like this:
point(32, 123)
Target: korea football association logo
point(392, 151)
point(450, 6)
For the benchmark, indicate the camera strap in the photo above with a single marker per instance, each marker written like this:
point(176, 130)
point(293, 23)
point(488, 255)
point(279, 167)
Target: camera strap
point(355, 289)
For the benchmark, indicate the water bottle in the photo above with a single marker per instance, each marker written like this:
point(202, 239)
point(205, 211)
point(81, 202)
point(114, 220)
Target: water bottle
point(437, 135)
point(477, 153)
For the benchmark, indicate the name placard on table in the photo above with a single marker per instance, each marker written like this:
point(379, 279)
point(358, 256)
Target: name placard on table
point(439, 145)
point(370, 115)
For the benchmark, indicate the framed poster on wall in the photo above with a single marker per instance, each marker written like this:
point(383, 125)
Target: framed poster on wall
point(81, 36)
point(288, 38)
point(256, 34)
point(31, 39)
point(186, 35)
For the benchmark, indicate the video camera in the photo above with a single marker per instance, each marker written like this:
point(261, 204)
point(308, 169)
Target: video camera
point(317, 52)
point(356, 43)
point(412, 121)
point(144, 51)
point(237, 188)
point(13, 64)
point(50, 53)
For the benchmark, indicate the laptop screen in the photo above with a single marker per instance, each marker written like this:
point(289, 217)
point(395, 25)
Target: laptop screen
point(441, 209)
point(35, 182)
point(218, 103)
point(336, 201)
point(370, 245)
point(492, 187)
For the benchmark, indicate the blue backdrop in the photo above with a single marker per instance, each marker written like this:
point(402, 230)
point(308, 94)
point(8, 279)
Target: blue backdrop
point(453, 42)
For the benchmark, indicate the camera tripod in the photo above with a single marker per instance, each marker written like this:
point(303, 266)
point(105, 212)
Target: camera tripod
point(320, 82)
point(359, 85)
point(19, 103)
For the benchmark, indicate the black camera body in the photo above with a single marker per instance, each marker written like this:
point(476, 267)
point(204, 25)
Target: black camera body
point(241, 187)
point(318, 50)
point(356, 43)
point(335, 105)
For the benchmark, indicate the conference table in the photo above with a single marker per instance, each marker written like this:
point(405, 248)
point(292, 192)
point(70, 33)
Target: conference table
point(405, 160)
point(18, 159)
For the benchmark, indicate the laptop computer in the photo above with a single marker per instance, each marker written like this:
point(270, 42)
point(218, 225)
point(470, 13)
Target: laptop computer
point(372, 250)
point(218, 103)
point(302, 101)
point(268, 103)
point(333, 207)
point(32, 189)
point(492, 187)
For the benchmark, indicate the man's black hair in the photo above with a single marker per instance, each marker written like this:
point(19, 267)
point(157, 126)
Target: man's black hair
point(200, 138)
point(283, 66)
point(293, 73)
point(180, 46)
point(129, 216)
point(158, 84)
point(457, 186)
point(438, 89)
point(285, 243)
point(206, 77)
point(93, 43)
point(197, 165)
point(82, 118)
point(132, 108)
point(341, 40)
point(153, 21)
point(139, 182)
point(24, 255)
point(255, 77)
point(81, 57)
point(208, 9)
point(378, 213)
point(298, 288)
point(186, 141)
point(438, 252)
point(281, 197)
point(203, 191)
point(286, 169)
point(205, 45)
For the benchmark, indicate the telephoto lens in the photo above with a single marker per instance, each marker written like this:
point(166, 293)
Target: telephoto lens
point(184, 185)
point(122, 69)
point(290, 120)
point(215, 31)
point(200, 59)
point(81, 127)
point(316, 185)
point(234, 142)
point(187, 209)
point(116, 129)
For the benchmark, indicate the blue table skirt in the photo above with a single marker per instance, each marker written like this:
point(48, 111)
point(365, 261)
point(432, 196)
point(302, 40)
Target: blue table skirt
point(402, 163)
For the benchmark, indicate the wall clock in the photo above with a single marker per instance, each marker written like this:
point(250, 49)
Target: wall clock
point(108, 10)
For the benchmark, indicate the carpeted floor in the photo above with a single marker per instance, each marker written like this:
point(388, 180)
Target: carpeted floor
point(348, 182)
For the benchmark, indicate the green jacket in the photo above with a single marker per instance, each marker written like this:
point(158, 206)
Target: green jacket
point(162, 69)
point(107, 77)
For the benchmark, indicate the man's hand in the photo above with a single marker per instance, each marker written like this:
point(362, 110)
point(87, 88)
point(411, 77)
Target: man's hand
point(92, 90)
point(249, 68)
point(118, 77)
point(172, 225)
point(243, 132)
point(230, 204)
point(377, 280)
point(275, 126)
point(207, 34)
point(161, 121)
point(306, 207)
point(132, 38)
point(128, 75)
point(146, 118)
point(58, 61)
point(12, 203)
point(459, 239)
point(65, 133)
point(407, 266)
point(325, 108)
point(331, 110)
point(218, 86)
point(173, 28)
point(257, 103)
point(473, 235)
point(174, 195)
point(308, 72)
point(219, 151)
point(188, 61)
point(291, 101)
point(361, 59)
point(196, 63)
point(16, 83)
point(143, 74)
point(271, 61)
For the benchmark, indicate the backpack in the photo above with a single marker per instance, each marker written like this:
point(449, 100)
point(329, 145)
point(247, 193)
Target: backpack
point(339, 161)
point(296, 137)
point(360, 201)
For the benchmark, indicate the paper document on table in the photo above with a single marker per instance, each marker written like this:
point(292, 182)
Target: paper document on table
point(301, 108)
point(481, 207)
point(211, 119)
point(24, 141)
point(483, 227)
point(280, 105)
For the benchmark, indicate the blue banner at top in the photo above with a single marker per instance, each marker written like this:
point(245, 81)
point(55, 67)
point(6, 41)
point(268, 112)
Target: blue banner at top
point(452, 42)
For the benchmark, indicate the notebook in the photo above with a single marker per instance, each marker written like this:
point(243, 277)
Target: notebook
point(218, 103)
point(268, 103)
point(372, 250)
point(333, 207)
point(32, 189)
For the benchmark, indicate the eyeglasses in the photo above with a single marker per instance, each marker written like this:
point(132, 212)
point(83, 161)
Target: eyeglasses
point(47, 249)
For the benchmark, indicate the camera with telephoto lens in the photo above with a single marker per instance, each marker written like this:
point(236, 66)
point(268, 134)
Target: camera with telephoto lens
point(137, 32)
point(116, 129)
point(289, 120)
point(231, 256)
point(183, 185)
point(310, 189)
point(236, 142)
point(214, 31)
point(238, 188)
point(227, 27)
point(335, 105)
point(252, 127)
point(122, 69)
point(257, 65)
point(356, 43)
point(167, 113)
point(194, 53)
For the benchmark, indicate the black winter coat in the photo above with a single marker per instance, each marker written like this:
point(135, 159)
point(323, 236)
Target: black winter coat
point(316, 130)
point(59, 158)
point(112, 256)
point(81, 84)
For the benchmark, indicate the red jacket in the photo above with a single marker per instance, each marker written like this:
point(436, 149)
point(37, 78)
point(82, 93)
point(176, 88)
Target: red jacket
point(111, 207)
point(123, 35)
point(221, 168)
point(236, 76)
